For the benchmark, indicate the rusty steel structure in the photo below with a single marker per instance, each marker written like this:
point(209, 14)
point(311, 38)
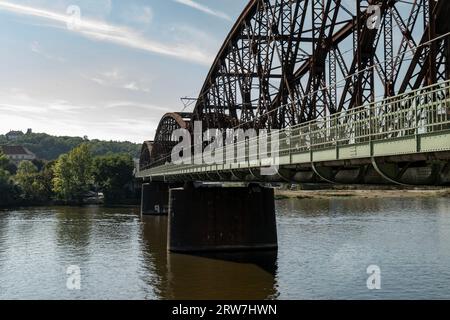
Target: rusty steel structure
point(154, 153)
point(287, 62)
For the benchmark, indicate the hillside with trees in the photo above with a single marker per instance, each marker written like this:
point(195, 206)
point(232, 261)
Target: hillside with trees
point(49, 147)
point(69, 179)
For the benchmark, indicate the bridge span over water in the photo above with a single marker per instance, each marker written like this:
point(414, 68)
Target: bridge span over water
point(353, 92)
point(404, 139)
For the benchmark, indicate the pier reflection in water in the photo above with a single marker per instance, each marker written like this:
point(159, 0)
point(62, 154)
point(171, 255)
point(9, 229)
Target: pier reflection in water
point(325, 247)
point(249, 275)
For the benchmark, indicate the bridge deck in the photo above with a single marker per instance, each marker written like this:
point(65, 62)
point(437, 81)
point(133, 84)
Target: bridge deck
point(412, 123)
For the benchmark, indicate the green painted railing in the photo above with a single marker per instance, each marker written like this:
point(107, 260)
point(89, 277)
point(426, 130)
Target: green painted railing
point(416, 113)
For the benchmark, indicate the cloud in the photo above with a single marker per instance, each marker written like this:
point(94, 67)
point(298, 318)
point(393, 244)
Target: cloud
point(145, 16)
point(116, 79)
point(113, 74)
point(99, 81)
point(134, 130)
point(181, 32)
point(36, 48)
point(133, 86)
point(138, 15)
point(136, 105)
point(204, 9)
point(119, 35)
point(61, 117)
point(17, 101)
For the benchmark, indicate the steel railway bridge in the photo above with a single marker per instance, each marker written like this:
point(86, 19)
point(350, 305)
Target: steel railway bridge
point(351, 91)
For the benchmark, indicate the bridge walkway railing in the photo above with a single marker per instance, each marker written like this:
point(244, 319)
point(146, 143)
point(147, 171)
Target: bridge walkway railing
point(401, 121)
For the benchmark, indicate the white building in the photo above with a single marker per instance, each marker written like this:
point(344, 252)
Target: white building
point(14, 135)
point(17, 153)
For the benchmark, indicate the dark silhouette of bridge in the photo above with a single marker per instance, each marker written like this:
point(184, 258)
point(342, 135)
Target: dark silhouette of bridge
point(354, 92)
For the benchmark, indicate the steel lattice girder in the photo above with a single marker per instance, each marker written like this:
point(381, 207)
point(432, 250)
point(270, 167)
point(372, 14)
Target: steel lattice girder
point(286, 62)
point(157, 152)
point(280, 53)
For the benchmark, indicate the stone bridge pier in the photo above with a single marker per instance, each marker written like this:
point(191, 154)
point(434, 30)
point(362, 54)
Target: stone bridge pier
point(214, 217)
point(155, 198)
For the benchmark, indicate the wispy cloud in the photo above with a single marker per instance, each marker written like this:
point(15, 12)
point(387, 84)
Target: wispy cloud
point(138, 15)
point(142, 106)
point(62, 117)
point(119, 35)
point(204, 9)
point(134, 86)
point(36, 48)
point(17, 101)
point(116, 79)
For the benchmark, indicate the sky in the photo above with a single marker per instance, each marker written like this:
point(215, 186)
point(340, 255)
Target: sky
point(107, 69)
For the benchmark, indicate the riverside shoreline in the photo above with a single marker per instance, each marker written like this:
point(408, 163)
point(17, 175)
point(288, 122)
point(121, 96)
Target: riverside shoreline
point(281, 194)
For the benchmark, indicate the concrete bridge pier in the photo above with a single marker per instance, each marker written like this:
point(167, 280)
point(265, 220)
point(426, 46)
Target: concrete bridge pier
point(155, 198)
point(218, 218)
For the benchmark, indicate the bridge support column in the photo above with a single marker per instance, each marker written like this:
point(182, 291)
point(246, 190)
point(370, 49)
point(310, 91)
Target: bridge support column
point(154, 198)
point(222, 219)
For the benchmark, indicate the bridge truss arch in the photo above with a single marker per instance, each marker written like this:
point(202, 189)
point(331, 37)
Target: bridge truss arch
point(157, 152)
point(286, 62)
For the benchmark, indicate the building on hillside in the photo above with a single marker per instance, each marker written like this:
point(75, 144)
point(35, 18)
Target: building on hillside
point(16, 154)
point(14, 135)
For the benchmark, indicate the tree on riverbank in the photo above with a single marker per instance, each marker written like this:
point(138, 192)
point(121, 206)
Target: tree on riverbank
point(112, 174)
point(9, 193)
point(68, 180)
point(4, 161)
point(49, 147)
point(35, 185)
point(73, 175)
point(25, 178)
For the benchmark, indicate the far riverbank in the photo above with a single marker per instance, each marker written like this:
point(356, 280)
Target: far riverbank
point(364, 192)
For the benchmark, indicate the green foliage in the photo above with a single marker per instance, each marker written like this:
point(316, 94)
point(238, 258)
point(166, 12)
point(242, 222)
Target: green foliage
point(61, 178)
point(45, 180)
point(113, 174)
point(101, 148)
point(73, 174)
point(49, 147)
point(11, 168)
point(39, 164)
point(9, 194)
point(68, 179)
point(35, 186)
point(7, 165)
point(4, 161)
point(25, 177)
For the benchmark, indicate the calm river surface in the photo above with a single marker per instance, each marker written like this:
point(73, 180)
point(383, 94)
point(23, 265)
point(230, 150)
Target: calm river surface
point(325, 249)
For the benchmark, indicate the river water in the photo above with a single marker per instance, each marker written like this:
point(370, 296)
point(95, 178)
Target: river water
point(325, 248)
